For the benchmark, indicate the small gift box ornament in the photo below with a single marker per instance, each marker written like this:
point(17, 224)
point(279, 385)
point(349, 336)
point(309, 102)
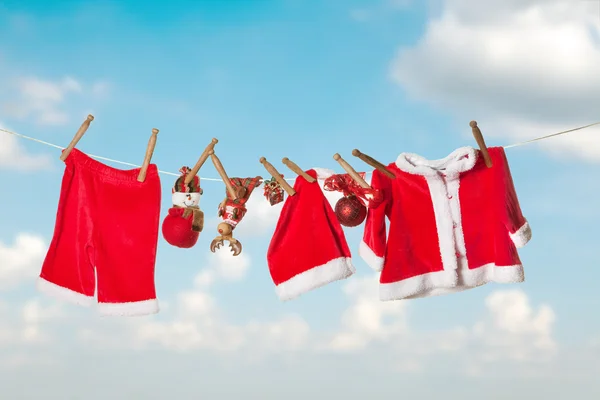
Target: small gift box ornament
point(273, 191)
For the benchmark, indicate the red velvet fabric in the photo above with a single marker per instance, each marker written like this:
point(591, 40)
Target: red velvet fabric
point(107, 221)
point(177, 230)
point(307, 236)
point(446, 232)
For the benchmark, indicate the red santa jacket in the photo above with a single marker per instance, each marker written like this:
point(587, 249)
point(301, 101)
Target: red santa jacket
point(454, 224)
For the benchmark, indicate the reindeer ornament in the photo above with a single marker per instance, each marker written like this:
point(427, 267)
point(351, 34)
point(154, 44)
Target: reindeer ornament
point(233, 208)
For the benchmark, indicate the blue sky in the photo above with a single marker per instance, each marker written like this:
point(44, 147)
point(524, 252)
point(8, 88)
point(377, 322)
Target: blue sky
point(302, 80)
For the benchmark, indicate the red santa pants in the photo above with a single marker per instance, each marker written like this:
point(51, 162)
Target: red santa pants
point(105, 236)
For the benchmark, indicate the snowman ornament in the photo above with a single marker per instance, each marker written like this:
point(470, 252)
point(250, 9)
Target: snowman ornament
point(184, 222)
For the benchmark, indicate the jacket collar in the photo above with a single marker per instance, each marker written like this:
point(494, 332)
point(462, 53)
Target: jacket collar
point(460, 160)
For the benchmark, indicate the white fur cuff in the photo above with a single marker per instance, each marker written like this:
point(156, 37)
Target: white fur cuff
point(334, 270)
point(372, 260)
point(522, 236)
point(132, 309)
point(62, 293)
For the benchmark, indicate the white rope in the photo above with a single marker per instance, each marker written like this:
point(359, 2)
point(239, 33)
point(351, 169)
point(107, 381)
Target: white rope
point(291, 180)
point(100, 157)
point(549, 136)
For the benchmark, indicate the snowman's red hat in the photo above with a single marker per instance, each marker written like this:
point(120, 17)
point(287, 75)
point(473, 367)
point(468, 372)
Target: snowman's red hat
point(192, 187)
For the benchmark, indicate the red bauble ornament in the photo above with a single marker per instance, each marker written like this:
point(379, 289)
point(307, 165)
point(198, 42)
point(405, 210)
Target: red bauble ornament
point(177, 230)
point(350, 211)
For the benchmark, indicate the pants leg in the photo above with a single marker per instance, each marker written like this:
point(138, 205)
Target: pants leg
point(127, 217)
point(67, 272)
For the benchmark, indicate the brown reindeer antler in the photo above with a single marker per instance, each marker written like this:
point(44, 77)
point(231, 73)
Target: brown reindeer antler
point(226, 232)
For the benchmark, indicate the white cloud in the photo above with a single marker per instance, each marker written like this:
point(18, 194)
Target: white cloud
point(13, 155)
point(21, 261)
point(42, 100)
point(34, 315)
point(364, 320)
point(511, 330)
point(261, 216)
point(46, 102)
point(27, 325)
point(198, 323)
point(223, 264)
point(521, 68)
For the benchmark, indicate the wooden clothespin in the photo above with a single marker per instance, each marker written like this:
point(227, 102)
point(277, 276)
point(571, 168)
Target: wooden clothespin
point(223, 174)
point(291, 165)
point(201, 161)
point(148, 157)
point(373, 163)
point(80, 132)
point(275, 174)
point(481, 143)
point(353, 174)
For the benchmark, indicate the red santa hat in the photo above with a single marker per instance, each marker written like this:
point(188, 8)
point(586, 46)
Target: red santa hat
point(308, 249)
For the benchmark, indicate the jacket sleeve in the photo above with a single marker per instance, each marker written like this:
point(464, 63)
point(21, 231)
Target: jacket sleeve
point(373, 244)
point(510, 209)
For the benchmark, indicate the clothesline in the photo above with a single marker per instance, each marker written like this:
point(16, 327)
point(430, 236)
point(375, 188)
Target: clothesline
point(291, 180)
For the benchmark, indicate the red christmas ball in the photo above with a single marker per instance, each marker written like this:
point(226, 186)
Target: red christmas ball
point(350, 211)
point(178, 232)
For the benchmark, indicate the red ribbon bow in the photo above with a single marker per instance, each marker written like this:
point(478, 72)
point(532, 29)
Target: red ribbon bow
point(349, 187)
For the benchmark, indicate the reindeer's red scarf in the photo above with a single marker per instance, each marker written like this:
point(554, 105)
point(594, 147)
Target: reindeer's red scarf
point(232, 211)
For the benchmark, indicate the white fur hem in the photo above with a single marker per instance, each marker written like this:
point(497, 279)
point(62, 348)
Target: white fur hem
point(132, 309)
point(323, 173)
point(372, 260)
point(522, 236)
point(62, 293)
point(446, 282)
point(334, 270)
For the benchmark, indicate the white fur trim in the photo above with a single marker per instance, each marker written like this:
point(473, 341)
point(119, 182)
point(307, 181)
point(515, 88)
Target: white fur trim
point(62, 293)
point(369, 256)
point(424, 285)
point(453, 189)
point(443, 220)
point(132, 309)
point(443, 180)
point(181, 199)
point(446, 282)
point(492, 273)
point(334, 270)
point(522, 236)
point(460, 160)
point(323, 173)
